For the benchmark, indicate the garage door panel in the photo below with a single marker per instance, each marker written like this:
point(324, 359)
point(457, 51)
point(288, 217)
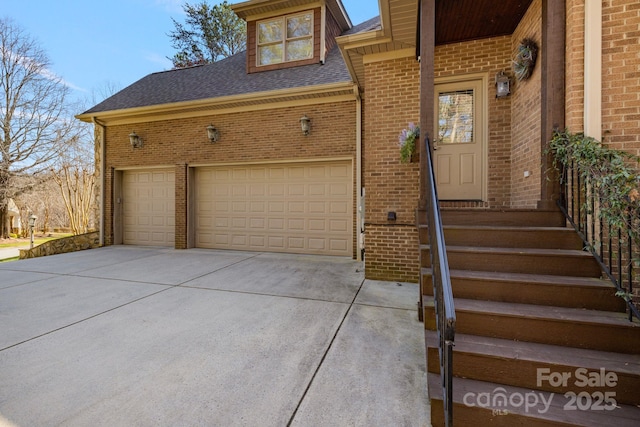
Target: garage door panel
point(239, 222)
point(276, 224)
point(257, 190)
point(338, 226)
point(257, 206)
point(239, 207)
point(317, 244)
point(296, 190)
point(276, 190)
point(317, 207)
point(317, 225)
point(296, 207)
point(339, 189)
point(301, 208)
point(339, 208)
point(338, 245)
point(276, 173)
point(148, 199)
point(296, 224)
point(276, 207)
point(276, 242)
point(296, 243)
point(317, 190)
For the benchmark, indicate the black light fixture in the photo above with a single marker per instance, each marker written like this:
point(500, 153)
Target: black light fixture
point(135, 140)
point(213, 133)
point(305, 123)
point(502, 85)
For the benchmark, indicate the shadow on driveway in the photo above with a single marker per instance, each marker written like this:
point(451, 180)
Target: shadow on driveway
point(149, 337)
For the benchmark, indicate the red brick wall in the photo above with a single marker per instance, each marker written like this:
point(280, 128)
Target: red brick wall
point(250, 137)
point(391, 101)
point(526, 117)
point(621, 74)
point(574, 70)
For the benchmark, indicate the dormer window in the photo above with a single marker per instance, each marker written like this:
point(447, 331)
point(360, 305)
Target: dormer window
point(284, 39)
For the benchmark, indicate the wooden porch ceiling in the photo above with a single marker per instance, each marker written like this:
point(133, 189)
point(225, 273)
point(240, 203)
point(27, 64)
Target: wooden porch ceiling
point(455, 21)
point(462, 20)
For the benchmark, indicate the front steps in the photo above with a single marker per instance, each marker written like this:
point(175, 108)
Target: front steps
point(534, 321)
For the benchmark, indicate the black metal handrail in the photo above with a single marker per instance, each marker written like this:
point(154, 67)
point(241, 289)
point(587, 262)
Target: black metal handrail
point(612, 246)
point(442, 292)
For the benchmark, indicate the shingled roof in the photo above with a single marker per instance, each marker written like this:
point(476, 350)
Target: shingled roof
point(225, 78)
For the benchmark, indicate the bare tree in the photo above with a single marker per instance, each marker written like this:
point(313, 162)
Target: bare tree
point(35, 123)
point(74, 174)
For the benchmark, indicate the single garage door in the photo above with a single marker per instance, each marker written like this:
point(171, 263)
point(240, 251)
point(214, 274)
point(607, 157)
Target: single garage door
point(148, 207)
point(297, 208)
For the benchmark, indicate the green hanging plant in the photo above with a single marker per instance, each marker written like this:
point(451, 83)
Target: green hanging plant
point(407, 142)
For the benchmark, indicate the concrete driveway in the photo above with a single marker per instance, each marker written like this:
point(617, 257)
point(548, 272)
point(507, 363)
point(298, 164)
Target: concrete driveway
point(123, 336)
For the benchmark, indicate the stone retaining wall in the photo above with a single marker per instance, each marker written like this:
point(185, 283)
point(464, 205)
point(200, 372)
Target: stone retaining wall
point(63, 245)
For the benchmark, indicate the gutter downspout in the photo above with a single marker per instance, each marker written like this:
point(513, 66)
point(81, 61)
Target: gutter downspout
point(360, 197)
point(103, 129)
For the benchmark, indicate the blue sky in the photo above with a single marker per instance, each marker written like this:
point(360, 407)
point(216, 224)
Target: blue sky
point(95, 45)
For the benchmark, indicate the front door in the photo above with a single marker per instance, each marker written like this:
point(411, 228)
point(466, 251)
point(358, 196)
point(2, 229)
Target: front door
point(459, 143)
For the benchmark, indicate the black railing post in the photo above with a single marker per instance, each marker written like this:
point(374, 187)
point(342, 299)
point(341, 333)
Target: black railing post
point(584, 212)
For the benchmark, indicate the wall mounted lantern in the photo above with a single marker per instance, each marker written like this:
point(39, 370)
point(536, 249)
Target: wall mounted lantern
point(213, 133)
point(305, 123)
point(502, 85)
point(135, 140)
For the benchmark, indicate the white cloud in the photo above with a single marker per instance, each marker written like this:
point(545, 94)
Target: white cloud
point(48, 74)
point(44, 72)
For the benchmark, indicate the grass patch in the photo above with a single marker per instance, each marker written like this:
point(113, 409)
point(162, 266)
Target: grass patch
point(19, 243)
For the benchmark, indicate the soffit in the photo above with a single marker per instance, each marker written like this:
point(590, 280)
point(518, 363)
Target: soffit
point(462, 20)
point(456, 21)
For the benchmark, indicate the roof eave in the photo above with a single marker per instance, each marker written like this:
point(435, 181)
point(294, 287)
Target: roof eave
point(316, 94)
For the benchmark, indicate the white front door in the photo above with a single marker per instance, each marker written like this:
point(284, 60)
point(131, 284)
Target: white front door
point(459, 146)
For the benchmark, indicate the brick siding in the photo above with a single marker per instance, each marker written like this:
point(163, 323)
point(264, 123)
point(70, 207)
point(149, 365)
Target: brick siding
point(621, 74)
point(391, 101)
point(245, 137)
point(526, 112)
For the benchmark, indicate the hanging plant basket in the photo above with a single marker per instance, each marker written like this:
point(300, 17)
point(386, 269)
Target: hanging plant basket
point(525, 59)
point(407, 143)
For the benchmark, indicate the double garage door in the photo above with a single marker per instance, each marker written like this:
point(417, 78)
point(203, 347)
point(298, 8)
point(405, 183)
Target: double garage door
point(296, 208)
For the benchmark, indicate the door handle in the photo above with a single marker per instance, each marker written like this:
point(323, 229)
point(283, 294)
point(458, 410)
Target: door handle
point(435, 144)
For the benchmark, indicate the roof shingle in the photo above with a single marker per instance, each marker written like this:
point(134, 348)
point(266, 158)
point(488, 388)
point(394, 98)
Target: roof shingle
point(220, 79)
